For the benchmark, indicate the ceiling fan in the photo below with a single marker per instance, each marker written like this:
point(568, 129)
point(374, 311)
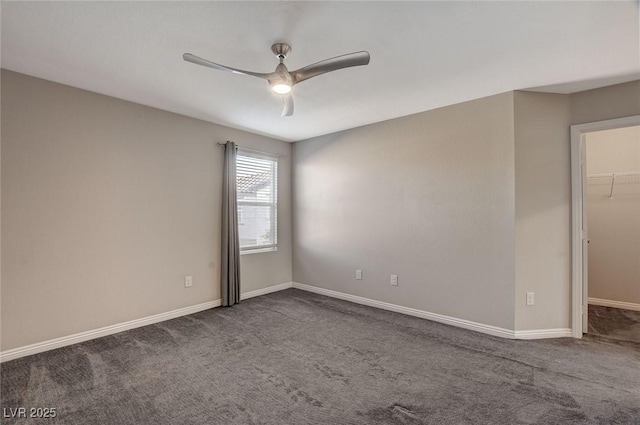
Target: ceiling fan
point(281, 80)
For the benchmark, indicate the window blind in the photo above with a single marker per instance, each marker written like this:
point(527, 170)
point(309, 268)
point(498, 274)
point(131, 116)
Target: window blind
point(257, 183)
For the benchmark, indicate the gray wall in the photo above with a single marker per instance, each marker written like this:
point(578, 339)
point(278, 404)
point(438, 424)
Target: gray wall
point(620, 100)
point(614, 223)
point(429, 197)
point(543, 210)
point(107, 205)
point(435, 197)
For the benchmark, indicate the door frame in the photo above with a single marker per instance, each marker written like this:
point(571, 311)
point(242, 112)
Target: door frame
point(579, 237)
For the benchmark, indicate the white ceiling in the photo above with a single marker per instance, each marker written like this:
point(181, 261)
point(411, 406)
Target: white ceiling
point(424, 55)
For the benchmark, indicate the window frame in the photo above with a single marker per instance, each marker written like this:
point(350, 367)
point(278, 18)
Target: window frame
point(273, 205)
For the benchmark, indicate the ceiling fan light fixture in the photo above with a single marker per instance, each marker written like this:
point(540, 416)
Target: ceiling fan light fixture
point(281, 88)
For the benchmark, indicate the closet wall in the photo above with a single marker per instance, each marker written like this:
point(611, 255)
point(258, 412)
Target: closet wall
point(614, 217)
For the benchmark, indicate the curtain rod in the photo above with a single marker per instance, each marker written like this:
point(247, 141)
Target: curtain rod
point(277, 155)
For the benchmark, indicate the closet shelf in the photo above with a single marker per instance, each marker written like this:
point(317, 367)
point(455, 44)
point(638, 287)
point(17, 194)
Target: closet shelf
point(613, 177)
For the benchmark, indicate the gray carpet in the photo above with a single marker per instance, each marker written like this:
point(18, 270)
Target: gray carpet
point(614, 323)
point(294, 357)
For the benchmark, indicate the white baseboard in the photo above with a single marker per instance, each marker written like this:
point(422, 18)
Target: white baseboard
point(616, 304)
point(447, 320)
point(461, 323)
point(51, 344)
point(544, 333)
point(267, 290)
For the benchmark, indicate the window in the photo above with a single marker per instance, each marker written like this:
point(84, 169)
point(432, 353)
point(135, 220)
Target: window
point(257, 184)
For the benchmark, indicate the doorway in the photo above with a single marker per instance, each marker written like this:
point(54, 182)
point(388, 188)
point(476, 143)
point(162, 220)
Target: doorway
point(594, 173)
point(613, 224)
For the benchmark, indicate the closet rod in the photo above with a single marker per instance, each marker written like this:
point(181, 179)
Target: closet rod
point(625, 174)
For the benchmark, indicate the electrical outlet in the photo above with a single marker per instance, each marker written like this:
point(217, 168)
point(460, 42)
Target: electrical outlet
point(358, 274)
point(530, 298)
point(188, 281)
point(394, 280)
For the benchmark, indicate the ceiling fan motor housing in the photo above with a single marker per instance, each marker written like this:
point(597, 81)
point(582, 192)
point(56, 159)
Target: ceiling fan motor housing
point(283, 76)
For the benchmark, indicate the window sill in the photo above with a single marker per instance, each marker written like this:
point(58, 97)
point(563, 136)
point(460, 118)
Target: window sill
point(257, 251)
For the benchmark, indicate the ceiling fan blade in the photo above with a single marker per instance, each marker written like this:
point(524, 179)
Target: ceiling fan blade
point(328, 65)
point(199, 61)
point(287, 105)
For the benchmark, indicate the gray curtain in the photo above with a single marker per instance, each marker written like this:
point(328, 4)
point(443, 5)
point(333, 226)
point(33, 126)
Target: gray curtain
point(230, 264)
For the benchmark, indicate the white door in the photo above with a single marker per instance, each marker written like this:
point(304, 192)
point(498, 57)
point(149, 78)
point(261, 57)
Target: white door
point(585, 243)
